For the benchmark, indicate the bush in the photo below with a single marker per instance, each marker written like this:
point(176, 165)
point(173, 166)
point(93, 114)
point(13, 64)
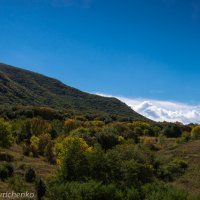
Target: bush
point(135, 174)
point(30, 175)
point(6, 171)
point(132, 194)
point(10, 169)
point(90, 190)
point(172, 130)
point(172, 169)
point(158, 191)
point(107, 138)
point(3, 173)
point(40, 187)
point(195, 133)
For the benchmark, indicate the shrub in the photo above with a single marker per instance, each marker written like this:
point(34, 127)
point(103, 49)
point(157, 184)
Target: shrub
point(30, 175)
point(172, 130)
point(172, 169)
point(158, 191)
point(10, 169)
point(6, 170)
point(90, 190)
point(3, 173)
point(40, 187)
point(135, 173)
point(107, 140)
point(132, 194)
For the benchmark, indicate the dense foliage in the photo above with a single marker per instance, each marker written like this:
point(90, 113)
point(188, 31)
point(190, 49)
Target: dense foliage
point(98, 159)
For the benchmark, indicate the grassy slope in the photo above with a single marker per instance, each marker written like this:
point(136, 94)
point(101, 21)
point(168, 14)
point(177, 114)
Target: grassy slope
point(189, 151)
point(42, 168)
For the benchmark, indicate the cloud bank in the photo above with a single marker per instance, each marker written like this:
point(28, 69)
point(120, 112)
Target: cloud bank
point(163, 110)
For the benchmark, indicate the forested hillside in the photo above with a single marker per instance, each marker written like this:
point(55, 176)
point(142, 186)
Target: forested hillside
point(22, 87)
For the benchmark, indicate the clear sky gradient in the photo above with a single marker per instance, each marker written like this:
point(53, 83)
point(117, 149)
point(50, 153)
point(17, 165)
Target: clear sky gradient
point(132, 48)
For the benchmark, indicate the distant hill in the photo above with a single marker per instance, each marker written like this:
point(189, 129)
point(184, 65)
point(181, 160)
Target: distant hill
point(23, 87)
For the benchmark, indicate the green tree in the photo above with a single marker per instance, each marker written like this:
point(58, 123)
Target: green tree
point(64, 145)
point(74, 166)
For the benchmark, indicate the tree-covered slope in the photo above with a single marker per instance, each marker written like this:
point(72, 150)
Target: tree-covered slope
point(22, 87)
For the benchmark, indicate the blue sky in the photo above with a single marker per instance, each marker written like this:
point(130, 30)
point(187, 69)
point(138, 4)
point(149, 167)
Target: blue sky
point(146, 49)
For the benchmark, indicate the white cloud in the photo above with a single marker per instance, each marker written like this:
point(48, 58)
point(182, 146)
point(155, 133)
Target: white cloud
point(163, 110)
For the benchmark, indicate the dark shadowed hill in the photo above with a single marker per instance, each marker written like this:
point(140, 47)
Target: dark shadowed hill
point(22, 87)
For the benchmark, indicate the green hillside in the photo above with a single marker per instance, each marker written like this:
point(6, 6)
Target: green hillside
point(22, 87)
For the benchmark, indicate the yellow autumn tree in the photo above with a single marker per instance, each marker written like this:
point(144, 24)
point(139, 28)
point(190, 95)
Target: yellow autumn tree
point(63, 145)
